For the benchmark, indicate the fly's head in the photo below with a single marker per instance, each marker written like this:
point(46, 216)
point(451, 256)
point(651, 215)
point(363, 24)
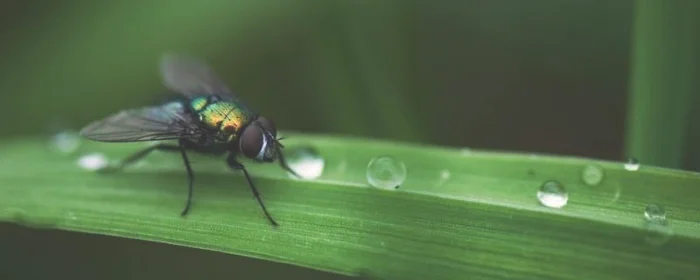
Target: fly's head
point(259, 140)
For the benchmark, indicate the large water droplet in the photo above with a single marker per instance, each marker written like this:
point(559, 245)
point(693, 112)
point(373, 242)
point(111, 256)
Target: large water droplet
point(592, 175)
point(93, 161)
point(632, 164)
point(65, 142)
point(552, 194)
point(386, 172)
point(305, 161)
point(655, 213)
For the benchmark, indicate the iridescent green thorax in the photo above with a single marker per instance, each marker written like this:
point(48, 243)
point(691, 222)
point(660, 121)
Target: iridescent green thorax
point(227, 117)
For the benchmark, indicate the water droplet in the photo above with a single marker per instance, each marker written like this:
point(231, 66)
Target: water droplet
point(65, 142)
point(655, 213)
point(93, 161)
point(552, 194)
point(71, 216)
point(386, 172)
point(592, 175)
point(657, 233)
point(444, 176)
point(632, 164)
point(305, 161)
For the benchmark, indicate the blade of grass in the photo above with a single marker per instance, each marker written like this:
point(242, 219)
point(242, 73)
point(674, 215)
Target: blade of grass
point(459, 214)
point(664, 81)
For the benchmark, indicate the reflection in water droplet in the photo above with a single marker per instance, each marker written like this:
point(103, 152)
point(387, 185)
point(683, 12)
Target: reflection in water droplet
point(386, 172)
point(33, 220)
point(93, 161)
point(592, 175)
point(552, 194)
point(632, 164)
point(65, 142)
point(15, 214)
point(655, 213)
point(305, 161)
point(657, 233)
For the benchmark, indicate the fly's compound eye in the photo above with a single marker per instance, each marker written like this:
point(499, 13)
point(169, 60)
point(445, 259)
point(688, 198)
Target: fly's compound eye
point(268, 125)
point(252, 139)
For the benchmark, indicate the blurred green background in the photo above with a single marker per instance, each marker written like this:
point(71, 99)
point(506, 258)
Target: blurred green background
point(531, 76)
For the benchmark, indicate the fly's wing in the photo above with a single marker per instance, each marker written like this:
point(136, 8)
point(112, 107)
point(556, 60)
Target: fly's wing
point(192, 77)
point(144, 124)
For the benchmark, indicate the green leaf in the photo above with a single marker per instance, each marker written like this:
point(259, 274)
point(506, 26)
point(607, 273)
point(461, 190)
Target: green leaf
point(460, 214)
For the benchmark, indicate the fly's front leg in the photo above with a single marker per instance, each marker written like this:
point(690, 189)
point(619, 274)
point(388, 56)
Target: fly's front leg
point(284, 164)
point(234, 164)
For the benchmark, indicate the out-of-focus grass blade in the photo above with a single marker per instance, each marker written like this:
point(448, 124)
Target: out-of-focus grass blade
point(460, 214)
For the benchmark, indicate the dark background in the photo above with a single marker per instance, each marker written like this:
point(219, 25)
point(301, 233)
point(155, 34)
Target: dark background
point(531, 76)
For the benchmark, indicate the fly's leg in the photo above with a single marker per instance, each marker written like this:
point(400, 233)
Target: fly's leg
point(133, 158)
point(233, 163)
point(284, 164)
point(190, 179)
point(161, 147)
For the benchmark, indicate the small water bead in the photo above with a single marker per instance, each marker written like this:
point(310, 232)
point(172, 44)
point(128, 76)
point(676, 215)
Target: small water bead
point(655, 213)
point(632, 164)
point(444, 176)
point(592, 175)
point(552, 194)
point(71, 216)
point(386, 172)
point(65, 142)
point(305, 161)
point(93, 161)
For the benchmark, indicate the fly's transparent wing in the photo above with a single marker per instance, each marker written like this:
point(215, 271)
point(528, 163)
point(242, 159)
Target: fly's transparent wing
point(144, 124)
point(191, 77)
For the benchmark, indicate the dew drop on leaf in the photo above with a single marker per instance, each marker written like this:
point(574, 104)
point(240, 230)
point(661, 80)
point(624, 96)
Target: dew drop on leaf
point(592, 175)
point(305, 161)
point(655, 213)
point(658, 231)
point(386, 172)
point(65, 142)
point(632, 164)
point(93, 161)
point(552, 194)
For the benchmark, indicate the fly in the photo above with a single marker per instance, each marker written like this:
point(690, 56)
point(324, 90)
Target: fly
point(206, 118)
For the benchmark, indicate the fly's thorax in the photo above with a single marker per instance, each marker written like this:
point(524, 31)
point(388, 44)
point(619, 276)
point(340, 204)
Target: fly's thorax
point(226, 118)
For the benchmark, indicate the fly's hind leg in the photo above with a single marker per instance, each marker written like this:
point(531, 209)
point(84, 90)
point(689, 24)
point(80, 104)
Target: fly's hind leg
point(135, 157)
point(234, 164)
point(161, 147)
